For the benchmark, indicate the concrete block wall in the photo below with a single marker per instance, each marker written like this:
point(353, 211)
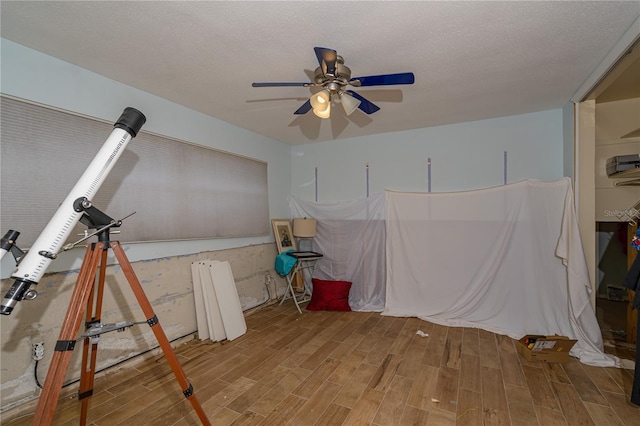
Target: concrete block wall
point(167, 284)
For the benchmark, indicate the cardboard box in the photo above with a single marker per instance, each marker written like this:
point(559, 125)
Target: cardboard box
point(545, 348)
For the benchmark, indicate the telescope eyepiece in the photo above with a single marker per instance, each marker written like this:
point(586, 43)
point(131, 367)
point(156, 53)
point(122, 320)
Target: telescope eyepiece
point(9, 239)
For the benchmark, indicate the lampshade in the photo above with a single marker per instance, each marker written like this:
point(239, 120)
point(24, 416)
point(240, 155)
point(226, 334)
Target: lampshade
point(320, 101)
point(349, 103)
point(304, 228)
point(323, 114)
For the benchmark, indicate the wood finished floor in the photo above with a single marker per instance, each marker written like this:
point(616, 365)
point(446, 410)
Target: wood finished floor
point(355, 368)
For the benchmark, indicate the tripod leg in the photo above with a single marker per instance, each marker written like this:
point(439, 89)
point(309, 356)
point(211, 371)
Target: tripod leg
point(66, 341)
point(89, 349)
point(152, 320)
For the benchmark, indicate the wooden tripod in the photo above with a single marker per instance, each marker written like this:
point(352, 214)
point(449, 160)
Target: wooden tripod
point(87, 293)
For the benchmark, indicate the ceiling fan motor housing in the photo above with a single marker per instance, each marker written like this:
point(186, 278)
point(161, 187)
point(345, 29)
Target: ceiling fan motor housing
point(333, 83)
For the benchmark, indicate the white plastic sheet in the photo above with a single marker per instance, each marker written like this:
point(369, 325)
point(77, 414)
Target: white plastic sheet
point(351, 236)
point(507, 259)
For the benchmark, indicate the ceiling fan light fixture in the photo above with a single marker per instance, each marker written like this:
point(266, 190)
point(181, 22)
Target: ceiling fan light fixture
point(326, 113)
point(349, 103)
point(320, 101)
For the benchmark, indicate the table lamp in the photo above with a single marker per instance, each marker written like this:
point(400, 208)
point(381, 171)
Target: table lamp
point(304, 229)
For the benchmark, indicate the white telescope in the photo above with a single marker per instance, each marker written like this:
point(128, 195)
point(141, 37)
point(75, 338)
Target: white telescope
point(33, 265)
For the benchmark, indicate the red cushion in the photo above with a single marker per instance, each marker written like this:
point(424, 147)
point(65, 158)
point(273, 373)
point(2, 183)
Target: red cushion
point(329, 295)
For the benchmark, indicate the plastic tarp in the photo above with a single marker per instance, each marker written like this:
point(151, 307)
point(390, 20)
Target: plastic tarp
point(351, 236)
point(507, 259)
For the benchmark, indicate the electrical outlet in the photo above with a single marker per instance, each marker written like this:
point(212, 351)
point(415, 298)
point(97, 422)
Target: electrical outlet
point(37, 351)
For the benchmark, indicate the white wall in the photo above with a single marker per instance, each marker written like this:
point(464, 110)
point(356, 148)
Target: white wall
point(28, 74)
point(464, 156)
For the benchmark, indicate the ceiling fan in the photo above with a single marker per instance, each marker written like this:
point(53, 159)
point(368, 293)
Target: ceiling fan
point(333, 76)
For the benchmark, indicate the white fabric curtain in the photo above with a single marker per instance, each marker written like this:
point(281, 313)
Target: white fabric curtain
point(351, 236)
point(507, 259)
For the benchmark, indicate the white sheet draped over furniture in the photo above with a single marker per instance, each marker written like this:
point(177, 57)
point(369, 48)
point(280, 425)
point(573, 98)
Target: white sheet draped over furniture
point(507, 259)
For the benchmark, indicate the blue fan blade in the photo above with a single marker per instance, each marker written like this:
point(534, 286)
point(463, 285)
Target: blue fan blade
point(281, 84)
point(319, 51)
point(327, 59)
point(386, 79)
point(365, 105)
point(305, 108)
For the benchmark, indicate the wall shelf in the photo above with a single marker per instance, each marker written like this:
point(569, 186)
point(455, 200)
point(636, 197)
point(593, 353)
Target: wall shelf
point(633, 175)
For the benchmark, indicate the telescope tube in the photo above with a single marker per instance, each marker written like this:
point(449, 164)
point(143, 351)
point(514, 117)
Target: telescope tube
point(34, 264)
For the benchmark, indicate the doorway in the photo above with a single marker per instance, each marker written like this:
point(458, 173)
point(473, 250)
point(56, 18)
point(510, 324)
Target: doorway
point(608, 127)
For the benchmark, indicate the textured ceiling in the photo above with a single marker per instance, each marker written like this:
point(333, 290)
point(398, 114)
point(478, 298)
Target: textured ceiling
point(471, 60)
